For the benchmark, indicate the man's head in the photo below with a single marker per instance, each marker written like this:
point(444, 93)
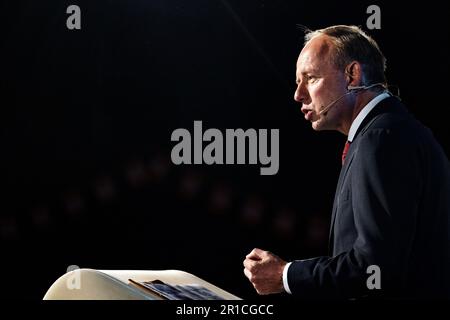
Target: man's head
point(331, 60)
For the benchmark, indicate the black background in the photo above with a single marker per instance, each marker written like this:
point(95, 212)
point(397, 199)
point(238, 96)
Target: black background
point(86, 117)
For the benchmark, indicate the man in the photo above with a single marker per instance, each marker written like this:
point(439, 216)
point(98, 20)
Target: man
point(392, 203)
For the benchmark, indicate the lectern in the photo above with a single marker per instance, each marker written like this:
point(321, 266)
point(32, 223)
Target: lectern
point(92, 284)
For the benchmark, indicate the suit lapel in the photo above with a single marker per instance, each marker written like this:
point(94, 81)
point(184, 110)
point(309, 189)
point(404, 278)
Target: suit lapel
point(382, 107)
point(342, 175)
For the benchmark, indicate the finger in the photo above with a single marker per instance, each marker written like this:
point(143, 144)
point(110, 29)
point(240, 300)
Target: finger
point(255, 254)
point(262, 293)
point(249, 264)
point(248, 274)
point(259, 290)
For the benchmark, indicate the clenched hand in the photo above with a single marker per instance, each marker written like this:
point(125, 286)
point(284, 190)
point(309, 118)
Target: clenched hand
point(265, 271)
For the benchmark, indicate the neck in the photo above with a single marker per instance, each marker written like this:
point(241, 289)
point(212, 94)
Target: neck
point(361, 100)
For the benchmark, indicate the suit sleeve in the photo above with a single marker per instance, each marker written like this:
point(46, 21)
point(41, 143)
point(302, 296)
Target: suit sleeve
point(385, 186)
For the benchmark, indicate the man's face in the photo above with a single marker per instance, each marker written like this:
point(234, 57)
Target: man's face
point(319, 83)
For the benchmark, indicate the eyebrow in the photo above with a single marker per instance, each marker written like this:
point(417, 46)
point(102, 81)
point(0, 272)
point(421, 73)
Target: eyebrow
point(304, 73)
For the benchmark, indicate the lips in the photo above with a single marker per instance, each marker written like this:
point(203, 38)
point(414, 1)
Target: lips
point(309, 115)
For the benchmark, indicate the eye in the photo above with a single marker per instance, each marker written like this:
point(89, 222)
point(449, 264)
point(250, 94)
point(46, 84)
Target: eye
point(311, 79)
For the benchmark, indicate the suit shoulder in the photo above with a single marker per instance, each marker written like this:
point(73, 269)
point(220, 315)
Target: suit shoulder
point(392, 131)
point(395, 122)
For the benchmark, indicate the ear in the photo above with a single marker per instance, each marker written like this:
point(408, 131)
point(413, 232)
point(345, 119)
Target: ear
point(354, 74)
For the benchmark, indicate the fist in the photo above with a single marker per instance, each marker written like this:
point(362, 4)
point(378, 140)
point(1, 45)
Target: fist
point(265, 271)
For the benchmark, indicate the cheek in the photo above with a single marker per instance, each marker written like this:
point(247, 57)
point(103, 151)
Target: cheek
point(318, 96)
point(322, 95)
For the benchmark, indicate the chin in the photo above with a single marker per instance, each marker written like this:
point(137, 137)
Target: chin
point(323, 124)
point(317, 125)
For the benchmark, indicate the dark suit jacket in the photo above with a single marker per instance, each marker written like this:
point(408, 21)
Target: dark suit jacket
point(391, 209)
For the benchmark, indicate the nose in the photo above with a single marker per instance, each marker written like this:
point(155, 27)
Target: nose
point(301, 94)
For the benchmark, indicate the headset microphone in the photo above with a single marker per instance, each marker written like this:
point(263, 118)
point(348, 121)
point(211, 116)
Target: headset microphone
point(366, 87)
point(333, 103)
point(350, 90)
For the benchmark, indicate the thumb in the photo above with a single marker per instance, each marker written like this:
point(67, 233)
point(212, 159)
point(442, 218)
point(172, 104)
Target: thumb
point(255, 254)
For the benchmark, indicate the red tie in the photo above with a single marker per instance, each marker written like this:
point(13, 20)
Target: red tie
point(344, 152)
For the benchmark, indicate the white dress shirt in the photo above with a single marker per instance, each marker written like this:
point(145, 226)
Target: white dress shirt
point(351, 134)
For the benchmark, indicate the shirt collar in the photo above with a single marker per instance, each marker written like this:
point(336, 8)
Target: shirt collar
point(363, 114)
